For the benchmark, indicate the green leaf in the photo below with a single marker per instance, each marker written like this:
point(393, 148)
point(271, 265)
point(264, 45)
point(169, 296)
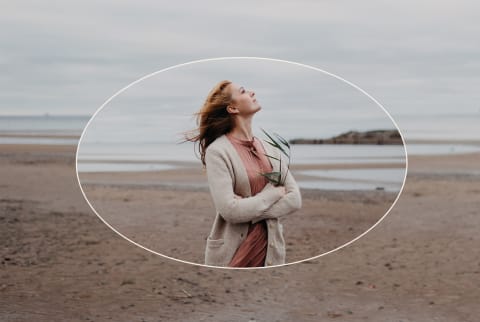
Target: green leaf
point(286, 176)
point(281, 149)
point(274, 143)
point(272, 157)
point(285, 142)
point(272, 176)
point(269, 136)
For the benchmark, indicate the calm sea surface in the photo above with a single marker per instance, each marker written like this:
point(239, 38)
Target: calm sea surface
point(114, 150)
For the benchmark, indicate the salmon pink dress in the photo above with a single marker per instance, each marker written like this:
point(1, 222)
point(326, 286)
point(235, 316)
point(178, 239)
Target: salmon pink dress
point(253, 250)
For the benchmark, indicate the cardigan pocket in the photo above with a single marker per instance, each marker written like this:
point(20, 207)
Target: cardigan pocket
point(215, 252)
point(215, 242)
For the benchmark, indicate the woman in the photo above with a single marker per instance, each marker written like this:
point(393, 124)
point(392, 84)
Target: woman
point(247, 231)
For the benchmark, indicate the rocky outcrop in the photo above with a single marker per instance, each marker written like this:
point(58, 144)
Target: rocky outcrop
point(355, 137)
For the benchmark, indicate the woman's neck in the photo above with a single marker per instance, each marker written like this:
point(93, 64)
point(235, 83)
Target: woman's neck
point(242, 133)
point(243, 129)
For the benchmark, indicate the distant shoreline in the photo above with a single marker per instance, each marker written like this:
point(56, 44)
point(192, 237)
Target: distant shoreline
point(47, 135)
point(63, 135)
point(377, 137)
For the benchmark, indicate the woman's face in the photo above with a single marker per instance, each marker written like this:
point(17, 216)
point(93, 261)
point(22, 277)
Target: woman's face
point(244, 102)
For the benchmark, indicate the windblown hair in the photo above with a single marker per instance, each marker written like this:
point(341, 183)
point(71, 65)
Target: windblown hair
point(213, 119)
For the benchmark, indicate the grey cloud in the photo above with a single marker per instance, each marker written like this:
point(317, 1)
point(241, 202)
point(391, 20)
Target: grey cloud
point(414, 57)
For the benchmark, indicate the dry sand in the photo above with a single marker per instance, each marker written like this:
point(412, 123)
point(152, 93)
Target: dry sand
point(60, 262)
point(165, 213)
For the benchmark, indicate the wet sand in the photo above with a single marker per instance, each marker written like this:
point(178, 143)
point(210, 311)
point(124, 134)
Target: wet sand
point(155, 208)
point(60, 262)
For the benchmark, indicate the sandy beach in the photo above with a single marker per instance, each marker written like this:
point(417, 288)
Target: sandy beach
point(155, 208)
point(60, 262)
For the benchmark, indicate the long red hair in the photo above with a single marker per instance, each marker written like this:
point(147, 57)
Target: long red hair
point(213, 120)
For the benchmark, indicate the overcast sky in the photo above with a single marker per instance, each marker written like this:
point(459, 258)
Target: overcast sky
point(415, 57)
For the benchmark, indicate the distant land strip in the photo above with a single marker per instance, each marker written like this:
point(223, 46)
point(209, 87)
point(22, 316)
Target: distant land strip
point(356, 137)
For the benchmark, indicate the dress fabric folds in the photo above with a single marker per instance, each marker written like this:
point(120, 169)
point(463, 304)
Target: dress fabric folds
point(253, 250)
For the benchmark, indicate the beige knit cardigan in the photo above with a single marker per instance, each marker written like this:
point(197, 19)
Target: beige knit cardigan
point(228, 177)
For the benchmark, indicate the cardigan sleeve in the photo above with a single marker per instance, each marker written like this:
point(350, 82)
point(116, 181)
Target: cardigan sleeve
point(289, 203)
point(221, 188)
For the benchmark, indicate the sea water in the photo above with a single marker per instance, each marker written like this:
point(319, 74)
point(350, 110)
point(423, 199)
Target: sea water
point(129, 153)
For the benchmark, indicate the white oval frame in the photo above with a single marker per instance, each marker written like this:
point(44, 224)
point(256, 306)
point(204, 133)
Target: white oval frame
point(227, 58)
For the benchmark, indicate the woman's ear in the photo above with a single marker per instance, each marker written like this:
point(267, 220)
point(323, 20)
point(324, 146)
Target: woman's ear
point(231, 109)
